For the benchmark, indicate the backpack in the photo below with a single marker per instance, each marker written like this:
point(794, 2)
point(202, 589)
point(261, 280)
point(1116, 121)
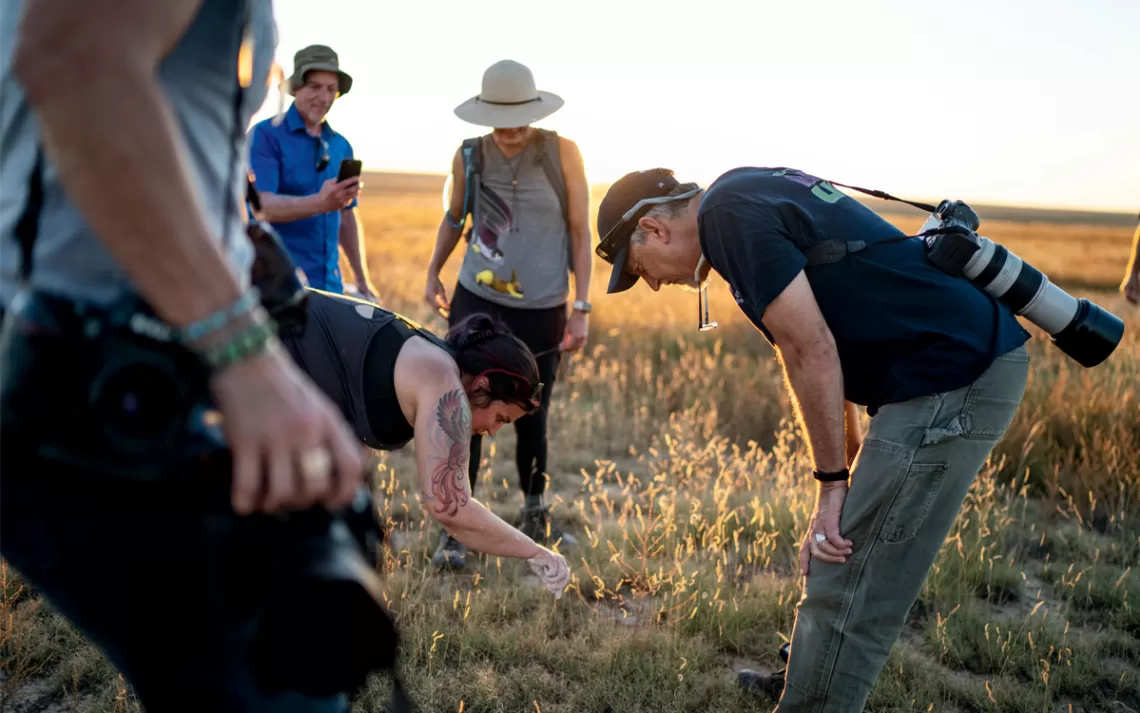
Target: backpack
point(472, 150)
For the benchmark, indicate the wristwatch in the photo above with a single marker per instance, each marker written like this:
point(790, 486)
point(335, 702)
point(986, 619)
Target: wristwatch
point(581, 306)
point(831, 477)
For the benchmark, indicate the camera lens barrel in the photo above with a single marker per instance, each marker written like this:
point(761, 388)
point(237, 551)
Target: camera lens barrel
point(1091, 336)
point(1020, 286)
point(1081, 329)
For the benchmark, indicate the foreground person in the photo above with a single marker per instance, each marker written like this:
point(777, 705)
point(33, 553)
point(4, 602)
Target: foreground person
point(129, 315)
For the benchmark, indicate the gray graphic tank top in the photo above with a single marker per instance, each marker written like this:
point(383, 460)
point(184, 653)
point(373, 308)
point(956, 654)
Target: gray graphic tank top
point(518, 254)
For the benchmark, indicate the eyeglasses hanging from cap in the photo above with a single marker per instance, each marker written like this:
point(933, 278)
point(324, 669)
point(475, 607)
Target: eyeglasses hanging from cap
point(703, 323)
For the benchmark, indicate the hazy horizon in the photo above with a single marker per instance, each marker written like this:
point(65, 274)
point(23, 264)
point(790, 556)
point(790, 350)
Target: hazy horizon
point(995, 101)
point(1049, 212)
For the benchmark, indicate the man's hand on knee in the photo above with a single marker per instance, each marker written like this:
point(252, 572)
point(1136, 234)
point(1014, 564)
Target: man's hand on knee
point(823, 540)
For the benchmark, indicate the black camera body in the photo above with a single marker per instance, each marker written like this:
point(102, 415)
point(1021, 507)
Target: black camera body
point(1083, 330)
point(323, 626)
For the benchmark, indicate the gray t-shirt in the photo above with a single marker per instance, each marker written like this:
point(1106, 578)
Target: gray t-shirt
point(519, 253)
point(199, 77)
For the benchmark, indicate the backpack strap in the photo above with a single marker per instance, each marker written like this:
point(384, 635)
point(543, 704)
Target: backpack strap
point(472, 151)
point(830, 251)
point(553, 175)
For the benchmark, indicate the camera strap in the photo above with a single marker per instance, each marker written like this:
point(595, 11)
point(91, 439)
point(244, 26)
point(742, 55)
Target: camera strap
point(830, 251)
point(28, 226)
point(886, 196)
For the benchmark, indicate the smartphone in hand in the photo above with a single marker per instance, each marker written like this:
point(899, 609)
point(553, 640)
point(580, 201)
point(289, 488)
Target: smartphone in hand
point(349, 168)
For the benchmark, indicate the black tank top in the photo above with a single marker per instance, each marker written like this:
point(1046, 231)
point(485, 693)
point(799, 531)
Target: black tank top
point(349, 349)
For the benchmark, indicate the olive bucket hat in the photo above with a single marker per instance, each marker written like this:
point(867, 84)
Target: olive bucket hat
point(314, 58)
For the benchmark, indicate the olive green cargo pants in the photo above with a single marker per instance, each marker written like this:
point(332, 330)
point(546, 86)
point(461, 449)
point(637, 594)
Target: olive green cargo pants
point(916, 465)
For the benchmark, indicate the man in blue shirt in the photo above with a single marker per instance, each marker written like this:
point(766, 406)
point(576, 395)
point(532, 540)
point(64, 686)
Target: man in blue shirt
point(940, 365)
point(295, 165)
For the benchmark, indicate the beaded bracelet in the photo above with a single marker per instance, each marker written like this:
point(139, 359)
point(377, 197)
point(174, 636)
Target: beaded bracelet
point(197, 330)
point(241, 346)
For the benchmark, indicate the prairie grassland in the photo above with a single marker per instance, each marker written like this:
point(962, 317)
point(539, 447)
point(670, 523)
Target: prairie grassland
point(677, 465)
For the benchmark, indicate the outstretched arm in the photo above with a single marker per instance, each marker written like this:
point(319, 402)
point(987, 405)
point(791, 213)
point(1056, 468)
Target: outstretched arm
point(811, 363)
point(443, 442)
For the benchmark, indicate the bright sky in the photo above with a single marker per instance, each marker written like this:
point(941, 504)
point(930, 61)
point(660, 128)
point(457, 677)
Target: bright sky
point(1026, 102)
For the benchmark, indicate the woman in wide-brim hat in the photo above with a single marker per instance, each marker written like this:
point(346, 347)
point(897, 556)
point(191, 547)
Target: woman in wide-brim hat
point(509, 99)
point(529, 230)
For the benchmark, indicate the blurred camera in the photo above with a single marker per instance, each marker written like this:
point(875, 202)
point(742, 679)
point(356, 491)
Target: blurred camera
point(323, 625)
point(127, 403)
point(1079, 328)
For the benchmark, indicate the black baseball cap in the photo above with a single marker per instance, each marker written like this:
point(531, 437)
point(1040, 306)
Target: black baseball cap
point(616, 231)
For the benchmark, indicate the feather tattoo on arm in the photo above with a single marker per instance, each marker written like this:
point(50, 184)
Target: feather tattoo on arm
point(450, 452)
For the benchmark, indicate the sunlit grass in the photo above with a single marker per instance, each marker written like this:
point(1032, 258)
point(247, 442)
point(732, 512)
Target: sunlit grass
point(675, 463)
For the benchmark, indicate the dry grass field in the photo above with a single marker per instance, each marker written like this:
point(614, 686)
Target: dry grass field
point(676, 464)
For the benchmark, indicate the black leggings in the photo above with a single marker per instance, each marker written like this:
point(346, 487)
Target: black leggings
point(539, 329)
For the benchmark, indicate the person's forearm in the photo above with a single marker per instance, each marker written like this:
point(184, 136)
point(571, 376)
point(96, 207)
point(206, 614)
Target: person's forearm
point(277, 208)
point(1134, 263)
point(817, 384)
point(445, 241)
point(443, 447)
point(116, 147)
point(483, 531)
point(352, 241)
point(582, 263)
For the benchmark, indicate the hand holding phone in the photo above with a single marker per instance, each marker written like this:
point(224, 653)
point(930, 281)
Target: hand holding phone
point(349, 168)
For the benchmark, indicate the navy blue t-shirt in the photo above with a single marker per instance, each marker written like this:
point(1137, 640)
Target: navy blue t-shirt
point(903, 327)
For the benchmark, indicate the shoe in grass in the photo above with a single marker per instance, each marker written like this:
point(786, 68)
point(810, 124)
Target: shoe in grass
point(764, 684)
point(535, 523)
point(451, 553)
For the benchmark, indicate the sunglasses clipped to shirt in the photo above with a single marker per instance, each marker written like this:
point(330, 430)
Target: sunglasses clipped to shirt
point(321, 158)
point(609, 246)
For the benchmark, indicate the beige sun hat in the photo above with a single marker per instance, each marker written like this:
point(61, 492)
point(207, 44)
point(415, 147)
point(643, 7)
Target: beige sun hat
point(509, 98)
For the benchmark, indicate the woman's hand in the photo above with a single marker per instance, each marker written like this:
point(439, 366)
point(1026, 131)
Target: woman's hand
point(551, 567)
point(577, 329)
point(435, 294)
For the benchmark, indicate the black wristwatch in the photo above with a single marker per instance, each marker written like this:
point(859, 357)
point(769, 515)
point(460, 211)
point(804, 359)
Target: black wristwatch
point(825, 477)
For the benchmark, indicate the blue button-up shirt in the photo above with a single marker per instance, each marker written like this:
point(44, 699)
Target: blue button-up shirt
point(284, 160)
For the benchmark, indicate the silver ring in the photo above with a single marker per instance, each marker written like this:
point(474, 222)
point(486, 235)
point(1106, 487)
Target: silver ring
point(820, 537)
point(316, 464)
